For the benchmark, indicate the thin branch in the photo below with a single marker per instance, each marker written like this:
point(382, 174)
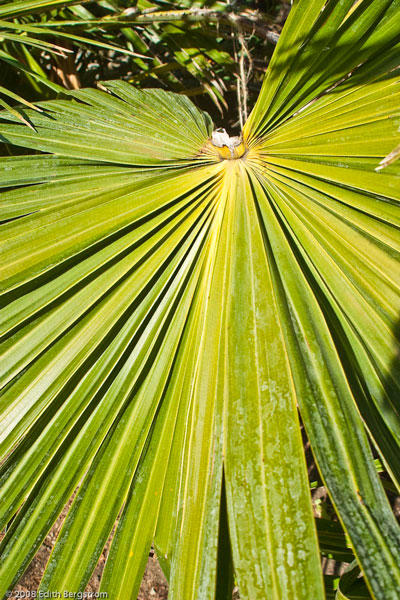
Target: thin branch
point(250, 22)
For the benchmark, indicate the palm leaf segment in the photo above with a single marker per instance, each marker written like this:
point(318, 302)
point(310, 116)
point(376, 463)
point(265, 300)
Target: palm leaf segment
point(167, 311)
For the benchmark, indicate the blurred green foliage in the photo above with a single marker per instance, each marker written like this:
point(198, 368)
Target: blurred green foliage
point(208, 49)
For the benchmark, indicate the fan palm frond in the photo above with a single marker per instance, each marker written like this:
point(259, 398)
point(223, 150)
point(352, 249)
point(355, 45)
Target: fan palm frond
point(171, 301)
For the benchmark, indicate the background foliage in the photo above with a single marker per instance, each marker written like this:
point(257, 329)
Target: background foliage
point(204, 49)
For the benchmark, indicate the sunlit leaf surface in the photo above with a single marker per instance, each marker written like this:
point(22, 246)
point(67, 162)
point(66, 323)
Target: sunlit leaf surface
point(168, 309)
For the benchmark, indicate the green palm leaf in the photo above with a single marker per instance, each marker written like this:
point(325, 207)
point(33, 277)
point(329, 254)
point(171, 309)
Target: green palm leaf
point(20, 7)
point(167, 311)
